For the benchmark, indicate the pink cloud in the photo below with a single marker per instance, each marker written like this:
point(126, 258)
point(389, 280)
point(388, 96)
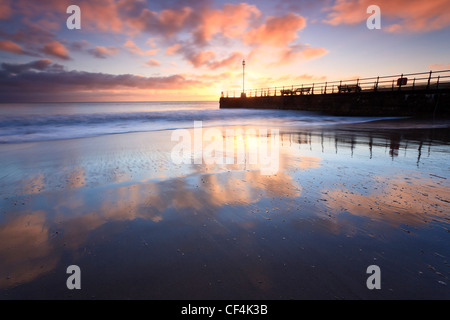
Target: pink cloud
point(409, 15)
point(153, 63)
point(168, 22)
point(231, 21)
point(103, 52)
point(5, 9)
point(201, 58)
point(234, 60)
point(101, 15)
point(9, 46)
point(285, 55)
point(56, 49)
point(135, 49)
point(277, 31)
point(439, 66)
point(208, 59)
point(173, 49)
point(311, 53)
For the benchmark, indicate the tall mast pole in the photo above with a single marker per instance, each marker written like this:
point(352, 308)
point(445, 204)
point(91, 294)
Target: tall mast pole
point(243, 76)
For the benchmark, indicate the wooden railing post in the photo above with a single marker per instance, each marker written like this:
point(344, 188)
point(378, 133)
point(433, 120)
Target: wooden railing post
point(429, 80)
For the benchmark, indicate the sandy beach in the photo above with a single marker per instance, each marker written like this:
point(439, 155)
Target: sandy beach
point(141, 227)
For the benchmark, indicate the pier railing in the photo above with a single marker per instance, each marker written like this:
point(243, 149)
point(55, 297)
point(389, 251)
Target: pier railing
point(431, 80)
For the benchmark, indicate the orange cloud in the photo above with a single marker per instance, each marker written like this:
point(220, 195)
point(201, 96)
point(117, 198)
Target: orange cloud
point(410, 15)
point(5, 9)
point(300, 52)
point(277, 31)
point(231, 21)
point(9, 46)
point(233, 60)
point(103, 52)
point(168, 22)
point(201, 58)
point(153, 63)
point(310, 53)
point(56, 49)
point(102, 15)
point(134, 48)
point(173, 49)
point(439, 66)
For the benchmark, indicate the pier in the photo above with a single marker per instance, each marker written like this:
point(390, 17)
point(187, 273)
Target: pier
point(425, 94)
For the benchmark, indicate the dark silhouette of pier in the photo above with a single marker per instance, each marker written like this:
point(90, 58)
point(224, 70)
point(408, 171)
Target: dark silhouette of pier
point(414, 94)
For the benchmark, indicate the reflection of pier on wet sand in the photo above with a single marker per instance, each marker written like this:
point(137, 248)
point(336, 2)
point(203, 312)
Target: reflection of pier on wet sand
point(373, 136)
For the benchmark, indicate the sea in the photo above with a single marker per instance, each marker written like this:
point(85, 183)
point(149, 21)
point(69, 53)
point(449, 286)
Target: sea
point(33, 122)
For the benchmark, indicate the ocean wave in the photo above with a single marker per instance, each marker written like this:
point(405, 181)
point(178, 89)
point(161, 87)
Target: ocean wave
point(32, 126)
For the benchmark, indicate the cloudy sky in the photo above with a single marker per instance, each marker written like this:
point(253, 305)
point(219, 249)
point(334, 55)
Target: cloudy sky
point(130, 50)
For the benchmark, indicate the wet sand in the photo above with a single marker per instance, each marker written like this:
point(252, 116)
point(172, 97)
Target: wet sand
point(141, 227)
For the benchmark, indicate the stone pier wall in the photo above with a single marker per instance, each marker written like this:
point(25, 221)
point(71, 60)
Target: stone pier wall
point(383, 103)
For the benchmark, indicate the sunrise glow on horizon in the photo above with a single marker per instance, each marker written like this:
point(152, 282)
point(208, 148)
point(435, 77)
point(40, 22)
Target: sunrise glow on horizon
point(137, 50)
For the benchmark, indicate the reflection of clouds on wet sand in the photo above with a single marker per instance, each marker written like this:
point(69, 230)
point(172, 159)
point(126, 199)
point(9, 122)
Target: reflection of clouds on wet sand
point(198, 192)
point(25, 249)
point(76, 178)
point(33, 185)
point(88, 197)
point(411, 199)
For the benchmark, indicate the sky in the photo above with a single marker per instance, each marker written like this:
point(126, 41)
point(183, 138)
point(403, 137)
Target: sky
point(173, 50)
